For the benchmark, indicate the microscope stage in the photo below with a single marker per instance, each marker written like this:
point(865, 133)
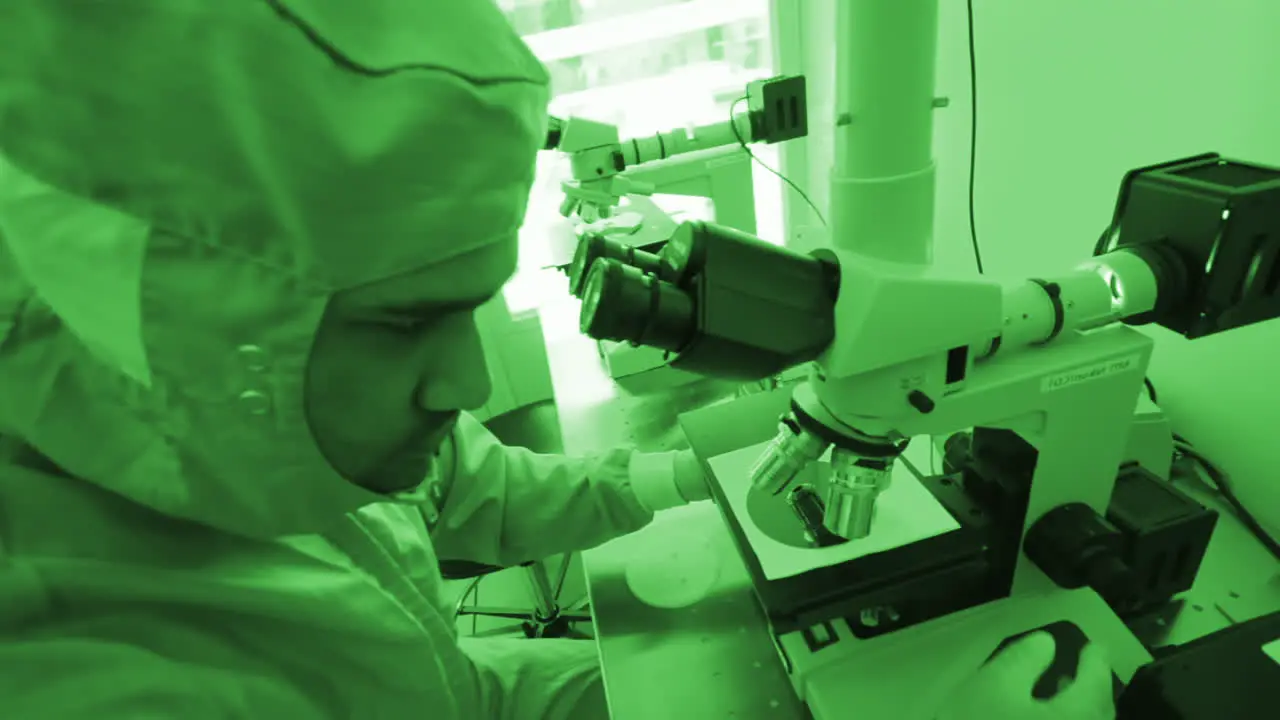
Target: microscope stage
point(917, 546)
point(906, 513)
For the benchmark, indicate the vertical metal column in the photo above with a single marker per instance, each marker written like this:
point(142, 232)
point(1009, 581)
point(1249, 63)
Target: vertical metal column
point(883, 181)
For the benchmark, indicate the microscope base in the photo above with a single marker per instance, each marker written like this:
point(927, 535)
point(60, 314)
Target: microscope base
point(908, 674)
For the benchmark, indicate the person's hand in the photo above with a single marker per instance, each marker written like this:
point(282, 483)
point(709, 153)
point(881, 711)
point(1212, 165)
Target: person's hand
point(691, 480)
point(1001, 689)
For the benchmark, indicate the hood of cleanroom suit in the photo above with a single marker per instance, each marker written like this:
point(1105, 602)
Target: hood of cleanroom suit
point(191, 251)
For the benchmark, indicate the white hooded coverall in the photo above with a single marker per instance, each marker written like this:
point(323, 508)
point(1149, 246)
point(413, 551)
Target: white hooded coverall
point(183, 186)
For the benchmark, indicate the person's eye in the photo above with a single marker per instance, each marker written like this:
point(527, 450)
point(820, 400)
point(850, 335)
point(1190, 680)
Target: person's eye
point(405, 325)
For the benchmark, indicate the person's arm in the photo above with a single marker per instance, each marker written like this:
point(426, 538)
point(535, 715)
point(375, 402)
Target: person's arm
point(506, 505)
point(69, 677)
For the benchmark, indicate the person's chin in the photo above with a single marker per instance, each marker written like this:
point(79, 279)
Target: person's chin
point(400, 474)
point(415, 468)
point(407, 470)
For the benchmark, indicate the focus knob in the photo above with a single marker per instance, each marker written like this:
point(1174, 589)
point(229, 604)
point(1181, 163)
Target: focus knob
point(920, 402)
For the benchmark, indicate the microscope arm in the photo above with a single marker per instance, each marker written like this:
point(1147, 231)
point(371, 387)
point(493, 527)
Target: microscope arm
point(663, 145)
point(603, 175)
point(876, 386)
point(604, 167)
point(586, 141)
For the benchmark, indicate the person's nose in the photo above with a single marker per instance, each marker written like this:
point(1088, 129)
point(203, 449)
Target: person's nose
point(458, 378)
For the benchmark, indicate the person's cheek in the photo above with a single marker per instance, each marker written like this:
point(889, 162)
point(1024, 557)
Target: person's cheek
point(345, 405)
point(457, 377)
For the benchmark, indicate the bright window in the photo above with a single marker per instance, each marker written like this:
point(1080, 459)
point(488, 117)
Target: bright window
point(643, 65)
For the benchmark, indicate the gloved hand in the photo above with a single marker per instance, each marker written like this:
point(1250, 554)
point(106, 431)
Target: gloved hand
point(691, 480)
point(1001, 689)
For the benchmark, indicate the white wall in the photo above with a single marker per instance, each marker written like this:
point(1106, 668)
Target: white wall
point(516, 354)
point(1071, 95)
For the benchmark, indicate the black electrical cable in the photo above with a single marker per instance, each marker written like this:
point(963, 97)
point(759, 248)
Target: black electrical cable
point(1218, 480)
point(1216, 476)
point(761, 163)
point(973, 140)
point(1223, 485)
point(762, 386)
point(973, 146)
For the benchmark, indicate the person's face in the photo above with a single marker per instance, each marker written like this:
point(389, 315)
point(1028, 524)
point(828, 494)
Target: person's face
point(395, 362)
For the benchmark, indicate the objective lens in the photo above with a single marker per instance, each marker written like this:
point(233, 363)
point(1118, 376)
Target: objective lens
point(788, 453)
point(774, 470)
point(849, 511)
point(806, 503)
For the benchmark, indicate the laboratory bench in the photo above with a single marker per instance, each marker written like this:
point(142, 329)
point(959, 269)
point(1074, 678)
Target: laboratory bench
point(716, 658)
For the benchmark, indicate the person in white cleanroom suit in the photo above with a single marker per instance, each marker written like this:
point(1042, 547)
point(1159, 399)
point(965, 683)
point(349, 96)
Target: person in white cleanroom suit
point(239, 244)
point(220, 422)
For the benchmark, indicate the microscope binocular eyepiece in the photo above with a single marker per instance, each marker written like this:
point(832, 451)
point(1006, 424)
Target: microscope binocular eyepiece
point(642, 310)
point(593, 247)
point(721, 303)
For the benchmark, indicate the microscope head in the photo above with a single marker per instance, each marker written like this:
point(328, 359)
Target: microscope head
point(595, 158)
point(721, 303)
point(726, 304)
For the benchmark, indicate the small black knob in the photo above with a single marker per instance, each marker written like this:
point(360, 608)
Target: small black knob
point(1077, 547)
point(555, 132)
point(920, 402)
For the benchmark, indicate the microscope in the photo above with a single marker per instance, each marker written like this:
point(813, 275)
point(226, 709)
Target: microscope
point(711, 161)
point(707, 160)
point(1034, 381)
